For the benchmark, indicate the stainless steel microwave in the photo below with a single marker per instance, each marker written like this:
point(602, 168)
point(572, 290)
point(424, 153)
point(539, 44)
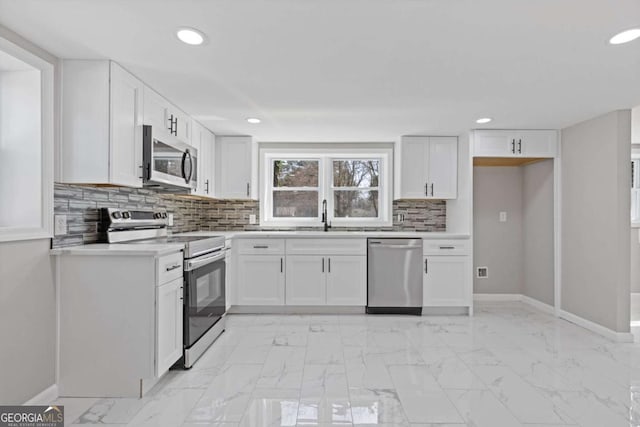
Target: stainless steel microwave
point(168, 163)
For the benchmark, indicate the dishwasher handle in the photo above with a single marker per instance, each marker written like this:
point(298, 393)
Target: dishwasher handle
point(397, 246)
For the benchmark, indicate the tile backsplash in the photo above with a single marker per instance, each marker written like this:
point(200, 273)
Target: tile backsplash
point(81, 205)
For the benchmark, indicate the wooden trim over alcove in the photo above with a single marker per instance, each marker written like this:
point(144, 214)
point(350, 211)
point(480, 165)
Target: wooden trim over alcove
point(505, 161)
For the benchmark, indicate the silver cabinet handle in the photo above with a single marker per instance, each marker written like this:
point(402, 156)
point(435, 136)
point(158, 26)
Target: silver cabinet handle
point(323, 265)
point(248, 189)
point(173, 267)
point(426, 189)
point(206, 188)
point(261, 247)
point(432, 189)
point(447, 247)
point(513, 146)
point(426, 266)
point(281, 265)
point(329, 259)
point(520, 146)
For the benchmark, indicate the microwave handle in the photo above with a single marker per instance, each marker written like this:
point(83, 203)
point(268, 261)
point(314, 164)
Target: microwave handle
point(187, 157)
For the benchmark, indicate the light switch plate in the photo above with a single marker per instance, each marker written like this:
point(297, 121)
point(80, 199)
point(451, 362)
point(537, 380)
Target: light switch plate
point(252, 219)
point(170, 220)
point(60, 225)
point(503, 217)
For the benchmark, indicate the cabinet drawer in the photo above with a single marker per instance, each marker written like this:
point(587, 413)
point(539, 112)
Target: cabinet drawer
point(260, 246)
point(446, 247)
point(330, 246)
point(169, 267)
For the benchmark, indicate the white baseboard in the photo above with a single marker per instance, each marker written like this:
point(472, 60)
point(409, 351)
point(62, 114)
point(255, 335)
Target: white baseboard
point(598, 329)
point(497, 297)
point(45, 397)
point(570, 317)
point(542, 306)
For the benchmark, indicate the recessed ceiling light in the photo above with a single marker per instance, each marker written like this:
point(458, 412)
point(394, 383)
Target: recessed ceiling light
point(625, 36)
point(484, 120)
point(253, 120)
point(190, 36)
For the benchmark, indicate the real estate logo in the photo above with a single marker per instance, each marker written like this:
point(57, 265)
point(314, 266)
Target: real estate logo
point(32, 416)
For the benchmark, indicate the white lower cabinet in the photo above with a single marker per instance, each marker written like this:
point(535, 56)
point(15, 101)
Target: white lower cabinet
point(169, 325)
point(347, 280)
point(446, 281)
point(260, 280)
point(326, 280)
point(306, 280)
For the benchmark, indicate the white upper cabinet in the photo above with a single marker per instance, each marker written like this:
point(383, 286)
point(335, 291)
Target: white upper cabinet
point(515, 143)
point(166, 118)
point(234, 167)
point(428, 167)
point(155, 112)
point(203, 140)
point(126, 121)
point(102, 111)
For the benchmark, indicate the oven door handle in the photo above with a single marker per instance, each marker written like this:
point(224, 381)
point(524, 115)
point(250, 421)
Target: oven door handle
point(192, 264)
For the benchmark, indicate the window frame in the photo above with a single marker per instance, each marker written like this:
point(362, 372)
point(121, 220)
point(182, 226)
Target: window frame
point(326, 157)
point(47, 81)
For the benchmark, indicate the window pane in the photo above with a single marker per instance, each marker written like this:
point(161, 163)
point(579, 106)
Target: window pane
point(355, 204)
point(295, 204)
point(295, 173)
point(356, 173)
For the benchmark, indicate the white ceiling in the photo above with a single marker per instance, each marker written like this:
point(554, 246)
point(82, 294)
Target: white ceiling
point(358, 70)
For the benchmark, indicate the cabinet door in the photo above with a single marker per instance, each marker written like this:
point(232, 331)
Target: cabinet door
point(125, 162)
point(207, 154)
point(446, 281)
point(197, 138)
point(413, 179)
point(346, 280)
point(182, 125)
point(155, 112)
point(260, 280)
point(234, 166)
point(306, 280)
point(538, 143)
point(495, 144)
point(169, 325)
point(443, 168)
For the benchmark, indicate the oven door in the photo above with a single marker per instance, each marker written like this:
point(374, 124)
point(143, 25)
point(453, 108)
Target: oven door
point(204, 295)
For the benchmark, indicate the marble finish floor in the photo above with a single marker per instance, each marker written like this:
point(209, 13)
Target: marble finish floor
point(510, 365)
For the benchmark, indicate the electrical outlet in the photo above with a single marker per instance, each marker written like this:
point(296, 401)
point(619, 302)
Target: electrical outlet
point(252, 219)
point(503, 217)
point(170, 220)
point(482, 272)
point(400, 217)
point(60, 225)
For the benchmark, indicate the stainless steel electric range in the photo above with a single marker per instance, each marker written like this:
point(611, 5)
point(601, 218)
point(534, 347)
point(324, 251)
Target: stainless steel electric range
point(204, 273)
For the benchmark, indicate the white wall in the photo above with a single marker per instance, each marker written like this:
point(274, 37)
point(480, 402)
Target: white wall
point(538, 251)
point(635, 260)
point(20, 153)
point(498, 245)
point(595, 188)
point(27, 304)
point(27, 320)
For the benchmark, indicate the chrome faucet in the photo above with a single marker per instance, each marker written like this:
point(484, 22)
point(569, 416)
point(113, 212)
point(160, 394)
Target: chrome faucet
point(325, 217)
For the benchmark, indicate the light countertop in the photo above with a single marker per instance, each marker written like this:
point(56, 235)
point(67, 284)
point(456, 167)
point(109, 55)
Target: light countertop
point(159, 249)
point(151, 249)
point(328, 234)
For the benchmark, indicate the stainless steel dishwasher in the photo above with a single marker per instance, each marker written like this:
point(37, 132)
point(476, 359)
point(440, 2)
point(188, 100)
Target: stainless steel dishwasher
point(394, 276)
